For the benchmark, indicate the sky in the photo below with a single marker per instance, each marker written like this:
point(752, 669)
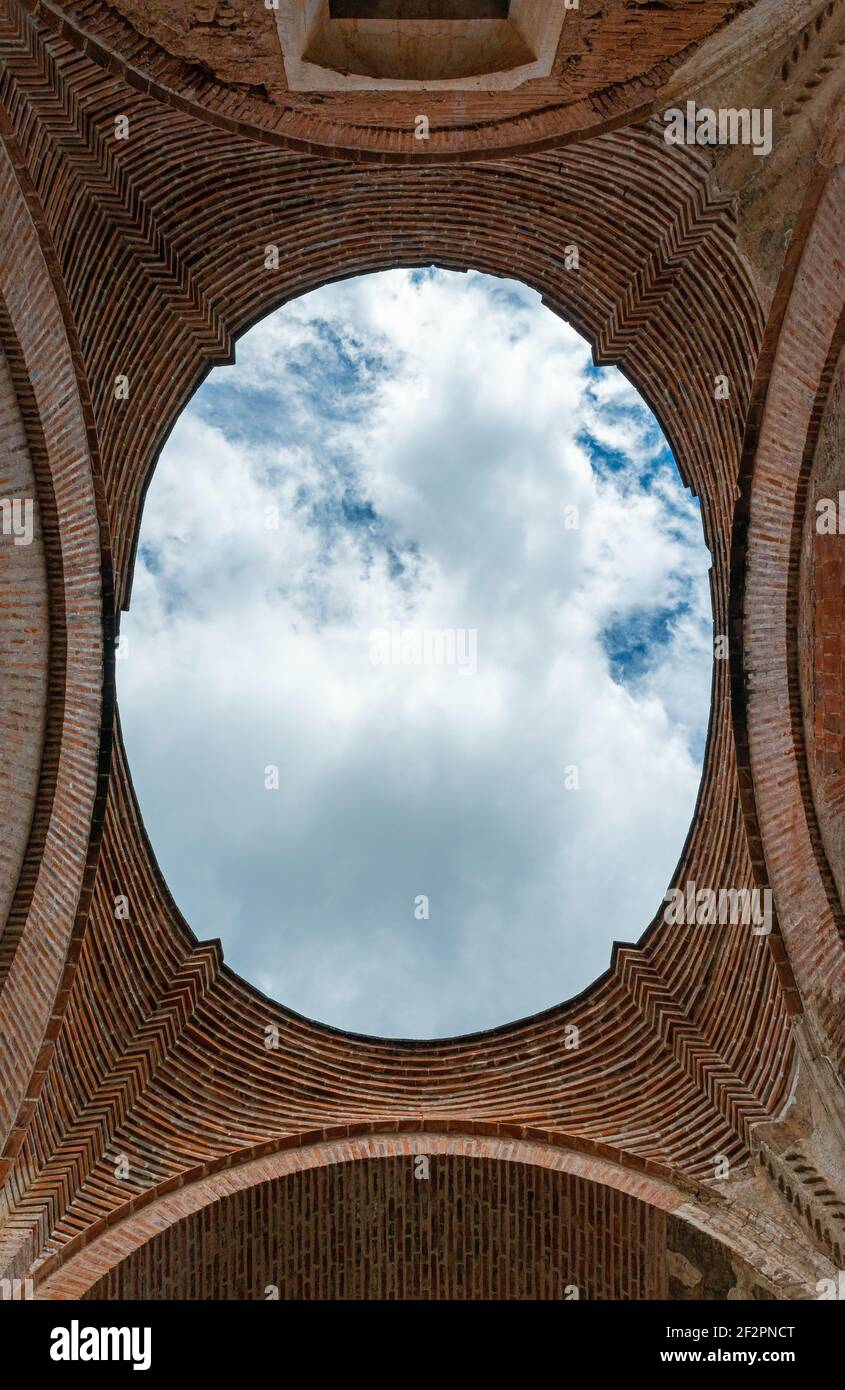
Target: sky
point(416, 675)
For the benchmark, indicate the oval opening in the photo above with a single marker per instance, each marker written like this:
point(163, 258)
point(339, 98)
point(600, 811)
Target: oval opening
point(417, 669)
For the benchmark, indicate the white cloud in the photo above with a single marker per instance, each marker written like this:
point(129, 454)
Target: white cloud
point(420, 438)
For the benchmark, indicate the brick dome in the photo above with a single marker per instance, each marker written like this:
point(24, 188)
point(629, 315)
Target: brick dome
point(699, 1121)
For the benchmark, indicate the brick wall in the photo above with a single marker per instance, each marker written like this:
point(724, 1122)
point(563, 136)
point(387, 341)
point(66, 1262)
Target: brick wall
point(471, 1230)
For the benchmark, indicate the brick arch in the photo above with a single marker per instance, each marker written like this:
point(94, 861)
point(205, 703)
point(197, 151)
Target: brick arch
point(57, 867)
point(24, 702)
point(791, 393)
point(85, 1266)
point(698, 47)
point(629, 63)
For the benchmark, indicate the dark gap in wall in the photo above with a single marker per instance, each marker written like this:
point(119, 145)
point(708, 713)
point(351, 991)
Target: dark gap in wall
point(419, 9)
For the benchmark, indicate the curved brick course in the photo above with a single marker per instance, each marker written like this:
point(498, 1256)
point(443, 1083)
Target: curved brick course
point(39, 948)
point(610, 66)
point(809, 343)
point(24, 625)
point(129, 1257)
